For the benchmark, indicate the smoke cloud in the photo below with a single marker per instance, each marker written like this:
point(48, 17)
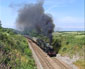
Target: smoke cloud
point(32, 17)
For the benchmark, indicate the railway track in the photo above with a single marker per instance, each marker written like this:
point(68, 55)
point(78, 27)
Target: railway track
point(61, 64)
point(45, 61)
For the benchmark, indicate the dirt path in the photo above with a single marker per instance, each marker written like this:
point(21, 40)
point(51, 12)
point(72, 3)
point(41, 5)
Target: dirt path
point(43, 61)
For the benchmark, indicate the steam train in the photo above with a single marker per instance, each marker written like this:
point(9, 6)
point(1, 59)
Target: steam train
point(44, 46)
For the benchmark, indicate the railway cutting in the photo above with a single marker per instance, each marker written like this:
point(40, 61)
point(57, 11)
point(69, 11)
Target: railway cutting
point(43, 61)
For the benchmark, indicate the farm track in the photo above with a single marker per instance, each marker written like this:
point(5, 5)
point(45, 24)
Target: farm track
point(45, 61)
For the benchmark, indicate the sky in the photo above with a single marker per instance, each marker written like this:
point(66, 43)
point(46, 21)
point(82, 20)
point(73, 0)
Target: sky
point(68, 15)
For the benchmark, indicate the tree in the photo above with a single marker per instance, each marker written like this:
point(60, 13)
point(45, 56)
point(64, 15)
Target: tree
point(0, 24)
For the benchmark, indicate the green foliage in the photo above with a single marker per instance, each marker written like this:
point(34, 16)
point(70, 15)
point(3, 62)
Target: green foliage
point(56, 44)
point(40, 36)
point(0, 24)
point(80, 64)
point(36, 34)
point(71, 42)
point(14, 51)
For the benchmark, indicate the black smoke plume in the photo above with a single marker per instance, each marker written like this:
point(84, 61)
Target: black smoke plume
point(32, 17)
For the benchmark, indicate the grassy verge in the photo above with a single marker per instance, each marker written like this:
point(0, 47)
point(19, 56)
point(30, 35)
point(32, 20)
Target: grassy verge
point(14, 51)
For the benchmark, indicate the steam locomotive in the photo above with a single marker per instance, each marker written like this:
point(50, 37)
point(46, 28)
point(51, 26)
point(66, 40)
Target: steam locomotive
point(44, 46)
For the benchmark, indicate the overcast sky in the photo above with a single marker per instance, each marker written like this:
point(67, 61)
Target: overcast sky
point(68, 15)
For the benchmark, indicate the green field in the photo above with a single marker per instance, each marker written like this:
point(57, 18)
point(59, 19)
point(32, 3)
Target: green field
point(70, 44)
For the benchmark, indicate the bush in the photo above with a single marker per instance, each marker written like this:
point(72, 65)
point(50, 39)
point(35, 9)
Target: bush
point(70, 43)
point(14, 51)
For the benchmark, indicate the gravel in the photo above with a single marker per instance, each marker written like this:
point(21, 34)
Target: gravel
point(68, 60)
